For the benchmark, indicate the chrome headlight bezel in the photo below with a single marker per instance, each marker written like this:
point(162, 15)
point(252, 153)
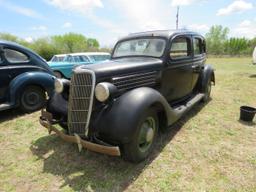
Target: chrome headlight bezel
point(102, 92)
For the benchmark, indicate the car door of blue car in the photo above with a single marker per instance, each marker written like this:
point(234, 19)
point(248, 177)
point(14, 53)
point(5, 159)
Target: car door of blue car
point(5, 77)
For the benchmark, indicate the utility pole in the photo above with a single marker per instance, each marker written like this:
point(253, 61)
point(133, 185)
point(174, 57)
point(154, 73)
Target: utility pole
point(177, 18)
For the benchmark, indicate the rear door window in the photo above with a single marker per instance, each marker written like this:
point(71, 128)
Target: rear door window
point(76, 59)
point(69, 59)
point(84, 59)
point(13, 56)
point(199, 46)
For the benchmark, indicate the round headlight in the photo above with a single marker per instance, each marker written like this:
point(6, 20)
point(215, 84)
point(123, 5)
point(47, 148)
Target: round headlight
point(58, 86)
point(102, 92)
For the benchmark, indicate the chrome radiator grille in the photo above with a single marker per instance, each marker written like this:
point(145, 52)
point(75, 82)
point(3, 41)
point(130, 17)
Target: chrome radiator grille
point(80, 102)
point(135, 80)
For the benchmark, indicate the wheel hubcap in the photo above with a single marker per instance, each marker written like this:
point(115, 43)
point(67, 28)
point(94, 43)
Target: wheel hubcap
point(147, 133)
point(31, 98)
point(150, 134)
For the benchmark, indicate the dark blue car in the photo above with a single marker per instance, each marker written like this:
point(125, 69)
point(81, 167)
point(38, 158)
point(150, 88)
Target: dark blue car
point(25, 78)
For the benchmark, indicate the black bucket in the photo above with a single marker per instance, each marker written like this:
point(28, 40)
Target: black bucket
point(247, 113)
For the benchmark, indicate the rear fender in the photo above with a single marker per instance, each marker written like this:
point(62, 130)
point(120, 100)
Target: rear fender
point(41, 79)
point(207, 74)
point(120, 119)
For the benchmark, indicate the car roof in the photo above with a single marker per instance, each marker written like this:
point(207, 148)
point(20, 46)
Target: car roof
point(20, 47)
point(160, 33)
point(89, 53)
point(13, 44)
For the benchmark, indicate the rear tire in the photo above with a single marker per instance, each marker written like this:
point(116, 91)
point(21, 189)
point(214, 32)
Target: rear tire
point(144, 141)
point(32, 99)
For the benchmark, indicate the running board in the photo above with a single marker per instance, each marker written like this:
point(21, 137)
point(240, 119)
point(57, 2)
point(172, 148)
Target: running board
point(5, 106)
point(180, 110)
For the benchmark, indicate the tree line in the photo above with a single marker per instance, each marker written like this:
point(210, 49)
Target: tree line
point(217, 40)
point(219, 44)
point(57, 44)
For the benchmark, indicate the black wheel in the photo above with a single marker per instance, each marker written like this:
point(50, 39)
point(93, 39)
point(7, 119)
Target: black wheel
point(207, 92)
point(143, 142)
point(32, 99)
point(58, 74)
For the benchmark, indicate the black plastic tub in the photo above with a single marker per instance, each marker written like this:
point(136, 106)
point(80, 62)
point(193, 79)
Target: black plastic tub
point(247, 113)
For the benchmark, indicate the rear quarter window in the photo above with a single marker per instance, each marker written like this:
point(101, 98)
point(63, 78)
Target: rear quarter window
point(13, 56)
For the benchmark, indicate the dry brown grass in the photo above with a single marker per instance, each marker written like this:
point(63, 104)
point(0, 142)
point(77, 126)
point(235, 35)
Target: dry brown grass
point(207, 150)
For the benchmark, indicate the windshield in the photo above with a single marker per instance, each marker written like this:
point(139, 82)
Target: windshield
point(140, 47)
point(57, 59)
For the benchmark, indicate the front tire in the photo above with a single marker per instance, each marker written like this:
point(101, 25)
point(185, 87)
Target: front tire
point(143, 142)
point(32, 99)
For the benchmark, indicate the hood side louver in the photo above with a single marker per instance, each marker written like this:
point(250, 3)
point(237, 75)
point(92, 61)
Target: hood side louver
point(135, 80)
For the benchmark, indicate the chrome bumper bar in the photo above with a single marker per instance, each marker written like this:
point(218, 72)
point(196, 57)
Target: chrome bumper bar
point(46, 121)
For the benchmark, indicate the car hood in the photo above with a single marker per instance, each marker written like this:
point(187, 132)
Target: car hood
point(123, 66)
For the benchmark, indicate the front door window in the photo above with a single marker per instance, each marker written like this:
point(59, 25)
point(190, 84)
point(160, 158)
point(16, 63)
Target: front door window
point(180, 48)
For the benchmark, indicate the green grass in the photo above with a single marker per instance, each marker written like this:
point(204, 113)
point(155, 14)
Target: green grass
point(207, 150)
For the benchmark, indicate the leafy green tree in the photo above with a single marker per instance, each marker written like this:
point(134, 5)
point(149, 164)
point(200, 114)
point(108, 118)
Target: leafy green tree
point(70, 43)
point(9, 37)
point(44, 47)
point(92, 43)
point(252, 45)
point(216, 39)
point(237, 46)
point(49, 46)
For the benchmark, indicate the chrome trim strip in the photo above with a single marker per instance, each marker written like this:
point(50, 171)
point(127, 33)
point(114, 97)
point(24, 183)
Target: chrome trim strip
point(91, 101)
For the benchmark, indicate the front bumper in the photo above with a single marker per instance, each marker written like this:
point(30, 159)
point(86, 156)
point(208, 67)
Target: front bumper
point(47, 121)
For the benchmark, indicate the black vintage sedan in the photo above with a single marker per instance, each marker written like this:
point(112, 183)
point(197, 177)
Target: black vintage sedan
point(25, 78)
point(118, 107)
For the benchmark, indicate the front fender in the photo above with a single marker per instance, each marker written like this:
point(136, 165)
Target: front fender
point(41, 79)
point(119, 121)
